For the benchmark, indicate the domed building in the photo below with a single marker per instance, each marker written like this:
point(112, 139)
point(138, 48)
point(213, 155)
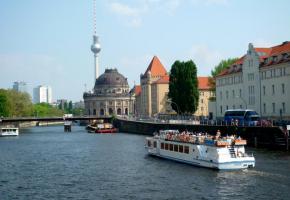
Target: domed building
point(110, 96)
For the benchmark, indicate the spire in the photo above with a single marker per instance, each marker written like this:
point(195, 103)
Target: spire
point(95, 47)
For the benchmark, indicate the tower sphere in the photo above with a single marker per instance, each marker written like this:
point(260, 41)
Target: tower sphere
point(96, 47)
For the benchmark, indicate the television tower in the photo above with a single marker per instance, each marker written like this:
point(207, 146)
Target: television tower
point(95, 47)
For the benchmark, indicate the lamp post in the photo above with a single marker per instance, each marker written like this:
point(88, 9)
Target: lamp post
point(178, 110)
point(243, 100)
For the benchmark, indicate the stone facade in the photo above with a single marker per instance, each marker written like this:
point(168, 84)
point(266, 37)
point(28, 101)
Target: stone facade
point(260, 80)
point(155, 88)
point(111, 96)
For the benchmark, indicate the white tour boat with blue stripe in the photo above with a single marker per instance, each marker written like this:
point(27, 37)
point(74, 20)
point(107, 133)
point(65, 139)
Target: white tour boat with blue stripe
point(225, 153)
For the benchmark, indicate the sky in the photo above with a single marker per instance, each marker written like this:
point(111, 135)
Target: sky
point(48, 42)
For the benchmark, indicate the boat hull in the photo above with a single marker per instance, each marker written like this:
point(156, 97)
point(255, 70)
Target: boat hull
point(231, 165)
point(111, 130)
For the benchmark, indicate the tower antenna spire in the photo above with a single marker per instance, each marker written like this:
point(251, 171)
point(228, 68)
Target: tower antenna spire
point(95, 17)
point(95, 47)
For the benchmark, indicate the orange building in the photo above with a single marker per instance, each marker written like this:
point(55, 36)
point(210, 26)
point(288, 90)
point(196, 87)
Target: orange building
point(152, 96)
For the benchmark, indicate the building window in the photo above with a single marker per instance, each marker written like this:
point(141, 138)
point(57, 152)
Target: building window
point(201, 100)
point(227, 94)
point(126, 111)
point(240, 92)
point(119, 112)
point(264, 107)
point(166, 146)
point(264, 90)
point(273, 107)
point(233, 93)
point(102, 112)
point(283, 107)
point(171, 147)
point(110, 111)
point(162, 145)
point(221, 95)
point(283, 88)
point(94, 112)
point(227, 107)
point(221, 109)
point(273, 89)
point(241, 106)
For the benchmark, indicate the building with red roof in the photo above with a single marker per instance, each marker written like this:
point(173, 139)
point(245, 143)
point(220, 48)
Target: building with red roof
point(259, 80)
point(153, 98)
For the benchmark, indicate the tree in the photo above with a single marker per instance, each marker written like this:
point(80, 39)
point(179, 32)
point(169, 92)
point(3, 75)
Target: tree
point(4, 104)
point(224, 64)
point(183, 87)
point(46, 110)
point(70, 107)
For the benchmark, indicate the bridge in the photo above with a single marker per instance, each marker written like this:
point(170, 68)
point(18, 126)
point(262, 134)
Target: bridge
point(53, 119)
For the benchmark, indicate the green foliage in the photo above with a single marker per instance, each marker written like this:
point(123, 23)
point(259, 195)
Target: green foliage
point(46, 110)
point(218, 69)
point(4, 104)
point(16, 104)
point(183, 87)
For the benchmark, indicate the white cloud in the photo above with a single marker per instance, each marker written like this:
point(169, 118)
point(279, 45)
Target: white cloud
point(205, 58)
point(134, 15)
point(211, 2)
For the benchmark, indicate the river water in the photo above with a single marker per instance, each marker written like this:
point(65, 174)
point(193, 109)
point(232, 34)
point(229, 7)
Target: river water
point(46, 163)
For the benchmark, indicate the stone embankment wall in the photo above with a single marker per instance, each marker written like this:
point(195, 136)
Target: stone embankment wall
point(270, 137)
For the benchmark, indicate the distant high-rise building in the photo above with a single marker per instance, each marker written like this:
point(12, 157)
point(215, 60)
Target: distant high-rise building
point(20, 86)
point(42, 94)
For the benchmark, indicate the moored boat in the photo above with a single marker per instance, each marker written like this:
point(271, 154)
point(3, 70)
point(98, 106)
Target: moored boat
point(101, 128)
point(9, 131)
point(224, 153)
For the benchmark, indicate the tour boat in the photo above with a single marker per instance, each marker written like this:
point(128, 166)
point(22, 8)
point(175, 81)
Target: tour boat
point(223, 153)
point(102, 128)
point(9, 131)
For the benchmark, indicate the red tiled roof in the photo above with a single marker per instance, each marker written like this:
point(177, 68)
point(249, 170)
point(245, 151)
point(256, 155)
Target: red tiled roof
point(137, 90)
point(156, 68)
point(279, 49)
point(264, 53)
point(162, 80)
point(203, 83)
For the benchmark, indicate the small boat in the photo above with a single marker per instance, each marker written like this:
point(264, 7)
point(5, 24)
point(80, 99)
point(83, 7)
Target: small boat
point(9, 131)
point(223, 153)
point(101, 128)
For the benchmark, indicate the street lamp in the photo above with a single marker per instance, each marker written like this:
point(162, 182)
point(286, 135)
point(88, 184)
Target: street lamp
point(178, 110)
point(242, 100)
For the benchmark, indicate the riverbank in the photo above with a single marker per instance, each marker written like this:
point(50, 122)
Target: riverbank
point(257, 136)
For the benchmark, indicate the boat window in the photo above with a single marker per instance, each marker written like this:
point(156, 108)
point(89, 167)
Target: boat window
point(181, 148)
point(186, 149)
point(176, 147)
point(154, 144)
point(149, 143)
point(166, 146)
point(171, 147)
point(162, 145)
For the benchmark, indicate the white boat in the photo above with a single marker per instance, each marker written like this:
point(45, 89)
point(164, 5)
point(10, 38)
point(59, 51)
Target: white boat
point(9, 131)
point(225, 153)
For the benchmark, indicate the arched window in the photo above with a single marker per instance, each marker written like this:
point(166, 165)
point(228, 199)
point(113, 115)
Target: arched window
point(126, 111)
point(111, 111)
point(102, 112)
point(119, 111)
